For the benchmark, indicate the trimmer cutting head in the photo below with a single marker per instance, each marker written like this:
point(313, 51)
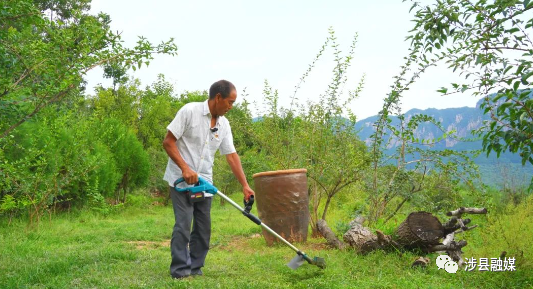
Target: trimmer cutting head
point(298, 261)
point(320, 262)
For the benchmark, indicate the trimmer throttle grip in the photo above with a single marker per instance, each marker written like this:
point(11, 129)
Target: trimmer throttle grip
point(248, 204)
point(248, 208)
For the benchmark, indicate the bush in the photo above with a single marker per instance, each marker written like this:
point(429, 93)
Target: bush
point(50, 163)
point(132, 162)
point(59, 160)
point(501, 234)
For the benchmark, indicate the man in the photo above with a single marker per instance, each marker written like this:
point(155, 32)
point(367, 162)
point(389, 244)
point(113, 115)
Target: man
point(196, 133)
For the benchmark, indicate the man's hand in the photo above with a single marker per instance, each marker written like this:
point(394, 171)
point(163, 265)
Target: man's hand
point(247, 191)
point(190, 176)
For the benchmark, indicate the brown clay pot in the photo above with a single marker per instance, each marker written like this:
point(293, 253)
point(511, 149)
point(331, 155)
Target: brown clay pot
point(283, 203)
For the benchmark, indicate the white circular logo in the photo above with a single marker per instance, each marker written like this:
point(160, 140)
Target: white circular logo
point(441, 260)
point(446, 263)
point(451, 267)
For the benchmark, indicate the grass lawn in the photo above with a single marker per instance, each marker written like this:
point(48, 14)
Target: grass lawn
point(130, 249)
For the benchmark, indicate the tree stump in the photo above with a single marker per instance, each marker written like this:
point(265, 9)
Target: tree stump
point(363, 240)
point(420, 230)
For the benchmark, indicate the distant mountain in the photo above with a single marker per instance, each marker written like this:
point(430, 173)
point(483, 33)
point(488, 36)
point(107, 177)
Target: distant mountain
point(463, 120)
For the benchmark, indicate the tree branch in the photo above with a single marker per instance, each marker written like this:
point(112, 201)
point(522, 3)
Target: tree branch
point(36, 110)
point(506, 48)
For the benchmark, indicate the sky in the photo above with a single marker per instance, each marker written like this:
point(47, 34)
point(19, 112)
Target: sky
point(248, 42)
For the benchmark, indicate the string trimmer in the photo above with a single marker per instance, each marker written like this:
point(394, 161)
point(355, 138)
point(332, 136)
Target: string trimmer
point(196, 193)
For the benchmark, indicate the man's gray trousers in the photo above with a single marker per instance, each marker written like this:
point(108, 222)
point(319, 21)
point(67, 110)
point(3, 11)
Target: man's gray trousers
point(189, 249)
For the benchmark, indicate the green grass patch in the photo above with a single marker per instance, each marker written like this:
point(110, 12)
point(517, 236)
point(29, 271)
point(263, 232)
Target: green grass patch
point(130, 249)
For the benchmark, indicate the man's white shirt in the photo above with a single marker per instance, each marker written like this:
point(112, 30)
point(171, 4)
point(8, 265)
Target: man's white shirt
point(196, 142)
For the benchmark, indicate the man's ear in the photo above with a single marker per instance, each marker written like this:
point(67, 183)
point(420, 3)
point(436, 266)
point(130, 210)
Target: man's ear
point(218, 97)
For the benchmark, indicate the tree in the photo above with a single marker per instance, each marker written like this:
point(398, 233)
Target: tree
point(317, 136)
point(158, 106)
point(403, 176)
point(43, 58)
point(489, 43)
point(122, 104)
point(132, 162)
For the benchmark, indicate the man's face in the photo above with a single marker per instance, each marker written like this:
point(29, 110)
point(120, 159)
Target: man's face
point(223, 105)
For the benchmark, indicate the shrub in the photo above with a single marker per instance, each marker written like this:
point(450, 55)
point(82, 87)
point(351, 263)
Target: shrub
point(132, 162)
point(501, 234)
point(60, 159)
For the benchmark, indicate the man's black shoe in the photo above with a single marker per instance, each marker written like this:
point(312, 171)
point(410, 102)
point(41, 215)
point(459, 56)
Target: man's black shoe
point(197, 272)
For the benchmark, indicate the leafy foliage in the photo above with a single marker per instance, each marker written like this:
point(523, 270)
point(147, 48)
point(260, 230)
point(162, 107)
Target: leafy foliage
point(415, 160)
point(516, 220)
point(43, 59)
point(132, 162)
point(157, 107)
point(56, 161)
point(53, 162)
point(488, 43)
point(412, 153)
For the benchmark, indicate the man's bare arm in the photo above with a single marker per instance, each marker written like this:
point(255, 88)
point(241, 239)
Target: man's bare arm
point(236, 167)
point(169, 143)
